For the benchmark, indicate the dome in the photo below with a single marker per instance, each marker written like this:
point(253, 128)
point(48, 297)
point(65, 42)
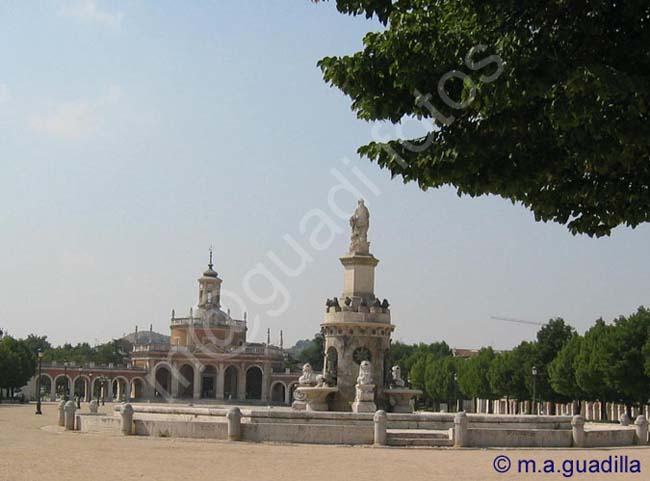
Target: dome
point(210, 272)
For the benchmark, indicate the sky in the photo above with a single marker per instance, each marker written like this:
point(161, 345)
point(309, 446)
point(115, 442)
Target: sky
point(134, 135)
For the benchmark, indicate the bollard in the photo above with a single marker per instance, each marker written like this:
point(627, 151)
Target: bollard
point(127, 419)
point(234, 424)
point(62, 413)
point(70, 408)
point(93, 406)
point(578, 429)
point(381, 421)
point(460, 430)
point(641, 428)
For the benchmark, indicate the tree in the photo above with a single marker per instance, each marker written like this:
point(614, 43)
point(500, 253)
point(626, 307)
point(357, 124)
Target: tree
point(542, 103)
point(591, 365)
point(313, 353)
point(473, 379)
point(562, 371)
point(623, 351)
point(417, 373)
point(440, 382)
point(37, 343)
point(406, 356)
point(551, 338)
point(17, 364)
point(510, 373)
point(113, 352)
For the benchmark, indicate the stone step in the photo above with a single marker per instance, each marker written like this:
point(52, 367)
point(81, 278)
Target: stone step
point(418, 433)
point(397, 441)
point(418, 437)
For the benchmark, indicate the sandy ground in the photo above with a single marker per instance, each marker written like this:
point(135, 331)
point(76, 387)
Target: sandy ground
point(31, 450)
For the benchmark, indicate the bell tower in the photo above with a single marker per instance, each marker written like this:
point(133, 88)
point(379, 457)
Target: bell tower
point(210, 288)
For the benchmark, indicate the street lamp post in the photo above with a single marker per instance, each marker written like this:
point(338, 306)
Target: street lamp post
point(102, 385)
point(76, 394)
point(534, 407)
point(38, 382)
point(456, 390)
point(90, 387)
point(65, 377)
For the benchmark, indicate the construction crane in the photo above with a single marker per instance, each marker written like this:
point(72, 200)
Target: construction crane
point(518, 321)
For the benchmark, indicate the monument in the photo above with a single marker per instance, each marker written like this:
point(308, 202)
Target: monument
point(357, 327)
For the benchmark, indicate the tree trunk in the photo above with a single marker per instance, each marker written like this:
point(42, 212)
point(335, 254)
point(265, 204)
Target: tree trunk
point(577, 407)
point(628, 410)
point(603, 410)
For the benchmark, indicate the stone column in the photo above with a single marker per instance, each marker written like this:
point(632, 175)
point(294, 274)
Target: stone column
point(460, 430)
point(110, 390)
point(175, 375)
point(196, 395)
point(266, 381)
point(287, 395)
point(578, 431)
point(221, 375)
point(381, 422)
point(52, 391)
point(241, 382)
point(149, 389)
point(641, 430)
point(127, 391)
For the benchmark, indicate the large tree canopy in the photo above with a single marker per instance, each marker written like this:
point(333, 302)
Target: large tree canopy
point(542, 103)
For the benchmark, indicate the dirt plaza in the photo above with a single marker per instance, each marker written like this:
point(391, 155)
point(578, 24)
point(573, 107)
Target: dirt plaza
point(33, 448)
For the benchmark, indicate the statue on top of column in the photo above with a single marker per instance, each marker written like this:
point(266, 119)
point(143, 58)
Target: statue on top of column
point(360, 223)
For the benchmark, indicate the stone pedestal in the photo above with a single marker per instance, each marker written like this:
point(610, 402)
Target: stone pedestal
point(401, 399)
point(364, 402)
point(312, 398)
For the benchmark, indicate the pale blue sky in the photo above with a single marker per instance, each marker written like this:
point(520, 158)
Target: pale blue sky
point(133, 135)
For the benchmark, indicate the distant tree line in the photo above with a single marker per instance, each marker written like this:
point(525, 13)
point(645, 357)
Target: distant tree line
point(609, 363)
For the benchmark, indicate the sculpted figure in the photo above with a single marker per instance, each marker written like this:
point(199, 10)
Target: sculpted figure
point(308, 377)
point(321, 381)
point(360, 223)
point(397, 377)
point(365, 373)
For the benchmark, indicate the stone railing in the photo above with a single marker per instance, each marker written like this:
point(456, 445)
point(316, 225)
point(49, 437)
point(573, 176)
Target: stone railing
point(151, 348)
point(186, 321)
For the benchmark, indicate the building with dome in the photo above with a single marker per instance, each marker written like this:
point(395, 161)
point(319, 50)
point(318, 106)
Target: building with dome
point(207, 358)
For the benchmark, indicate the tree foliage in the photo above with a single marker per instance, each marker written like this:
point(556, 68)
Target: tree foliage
point(113, 352)
point(473, 379)
point(551, 339)
point(562, 370)
point(440, 379)
point(313, 353)
point(17, 363)
point(542, 103)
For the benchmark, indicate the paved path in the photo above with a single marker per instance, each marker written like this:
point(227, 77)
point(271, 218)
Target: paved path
point(31, 451)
